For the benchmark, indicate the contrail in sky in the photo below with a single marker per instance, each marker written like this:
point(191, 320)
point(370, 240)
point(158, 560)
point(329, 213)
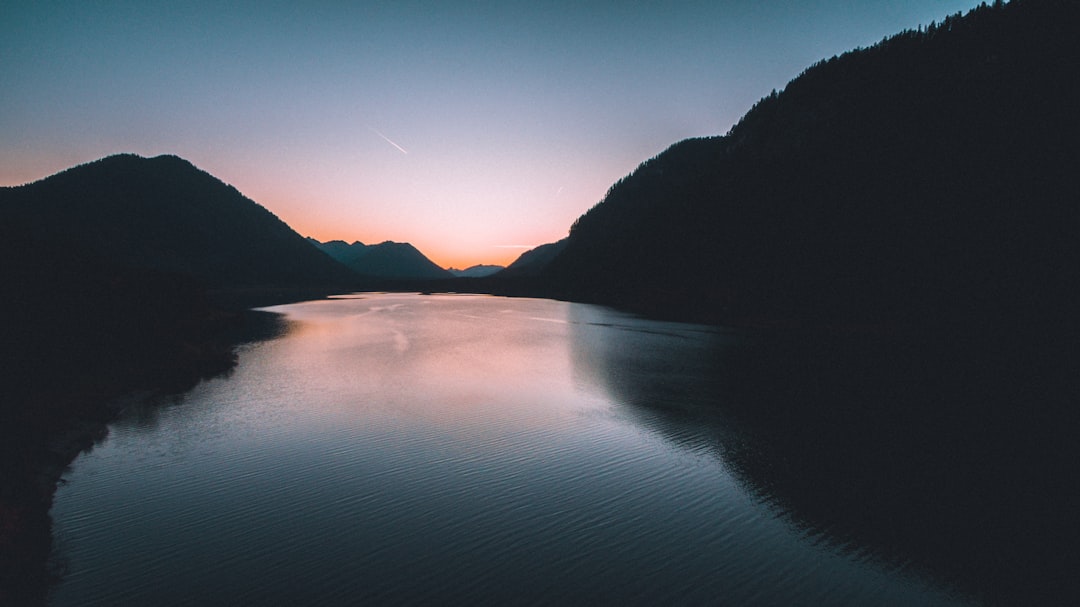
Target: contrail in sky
point(387, 140)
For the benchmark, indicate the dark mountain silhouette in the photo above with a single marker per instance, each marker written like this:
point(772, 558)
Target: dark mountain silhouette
point(477, 271)
point(929, 180)
point(339, 249)
point(533, 261)
point(164, 214)
point(914, 209)
point(386, 260)
point(105, 269)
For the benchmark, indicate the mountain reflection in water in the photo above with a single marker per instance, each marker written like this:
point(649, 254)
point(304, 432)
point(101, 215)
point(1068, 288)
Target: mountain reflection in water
point(958, 461)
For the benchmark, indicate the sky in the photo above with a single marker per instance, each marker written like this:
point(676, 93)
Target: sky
point(473, 130)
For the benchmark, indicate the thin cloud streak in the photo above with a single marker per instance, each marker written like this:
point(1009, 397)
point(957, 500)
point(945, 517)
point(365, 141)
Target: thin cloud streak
point(388, 140)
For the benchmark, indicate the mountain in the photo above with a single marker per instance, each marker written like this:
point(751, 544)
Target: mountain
point(533, 261)
point(163, 214)
point(339, 249)
point(477, 271)
point(929, 180)
point(388, 260)
point(106, 267)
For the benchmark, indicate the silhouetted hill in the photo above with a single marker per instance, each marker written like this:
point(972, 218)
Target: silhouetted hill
point(477, 271)
point(164, 214)
point(533, 261)
point(104, 269)
point(339, 249)
point(387, 260)
point(927, 180)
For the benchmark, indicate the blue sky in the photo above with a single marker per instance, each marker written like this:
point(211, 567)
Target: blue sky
point(464, 128)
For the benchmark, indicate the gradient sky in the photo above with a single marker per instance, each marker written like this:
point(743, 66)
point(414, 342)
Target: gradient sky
point(467, 129)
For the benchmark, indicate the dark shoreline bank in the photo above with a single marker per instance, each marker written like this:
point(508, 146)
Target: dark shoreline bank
point(54, 412)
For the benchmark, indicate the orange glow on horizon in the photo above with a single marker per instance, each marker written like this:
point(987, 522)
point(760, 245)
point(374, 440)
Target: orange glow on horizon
point(446, 256)
point(468, 242)
point(460, 246)
point(453, 251)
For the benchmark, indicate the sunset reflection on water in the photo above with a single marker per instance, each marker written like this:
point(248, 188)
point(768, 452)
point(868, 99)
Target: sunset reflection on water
point(413, 449)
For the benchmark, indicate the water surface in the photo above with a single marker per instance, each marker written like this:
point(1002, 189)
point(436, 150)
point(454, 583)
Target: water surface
point(408, 449)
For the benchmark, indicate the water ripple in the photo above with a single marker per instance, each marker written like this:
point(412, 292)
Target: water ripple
point(305, 479)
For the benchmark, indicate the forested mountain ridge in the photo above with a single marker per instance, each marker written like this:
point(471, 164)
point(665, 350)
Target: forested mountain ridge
point(164, 214)
point(532, 262)
point(929, 179)
point(105, 269)
point(106, 266)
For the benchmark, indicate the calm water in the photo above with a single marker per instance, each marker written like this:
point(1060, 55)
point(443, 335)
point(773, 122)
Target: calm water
point(407, 449)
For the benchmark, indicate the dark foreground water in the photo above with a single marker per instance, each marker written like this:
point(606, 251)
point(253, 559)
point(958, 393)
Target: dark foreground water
point(407, 449)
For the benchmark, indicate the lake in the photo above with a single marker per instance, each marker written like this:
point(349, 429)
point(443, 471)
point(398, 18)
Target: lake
point(458, 449)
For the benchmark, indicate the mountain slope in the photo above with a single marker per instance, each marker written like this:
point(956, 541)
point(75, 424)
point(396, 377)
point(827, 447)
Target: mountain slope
point(164, 214)
point(389, 260)
point(339, 249)
point(929, 179)
point(533, 261)
point(477, 271)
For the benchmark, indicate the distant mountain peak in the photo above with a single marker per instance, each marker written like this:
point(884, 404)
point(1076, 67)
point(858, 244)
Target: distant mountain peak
point(477, 271)
point(388, 259)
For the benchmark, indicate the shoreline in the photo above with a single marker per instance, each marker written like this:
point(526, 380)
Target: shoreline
point(52, 419)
